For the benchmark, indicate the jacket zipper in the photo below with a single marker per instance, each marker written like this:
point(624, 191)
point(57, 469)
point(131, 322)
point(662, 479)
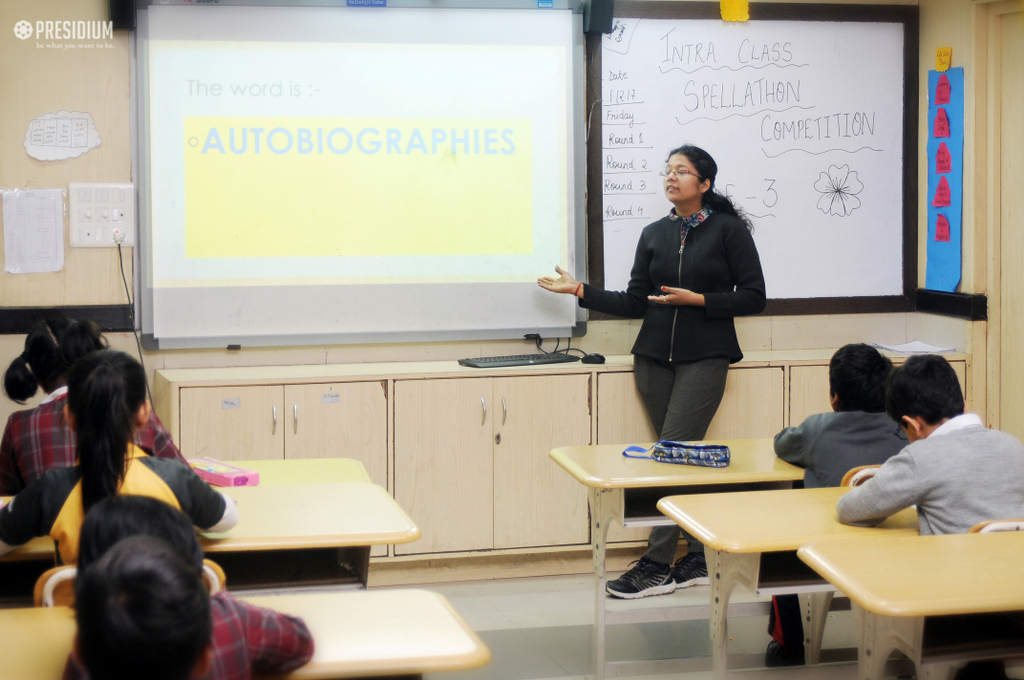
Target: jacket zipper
point(675, 312)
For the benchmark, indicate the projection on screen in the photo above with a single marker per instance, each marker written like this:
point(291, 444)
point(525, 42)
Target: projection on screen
point(324, 173)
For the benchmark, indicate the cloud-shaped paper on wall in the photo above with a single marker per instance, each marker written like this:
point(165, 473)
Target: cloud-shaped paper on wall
point(62, 135)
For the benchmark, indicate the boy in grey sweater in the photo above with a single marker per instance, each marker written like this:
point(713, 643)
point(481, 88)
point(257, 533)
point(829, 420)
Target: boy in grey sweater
point(827, 445)
point(956, 471)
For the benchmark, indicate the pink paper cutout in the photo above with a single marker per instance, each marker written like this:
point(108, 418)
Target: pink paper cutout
point(942, 90)
point(941, 124)
point(943, 159)
point(942, 229)
point(942, 194)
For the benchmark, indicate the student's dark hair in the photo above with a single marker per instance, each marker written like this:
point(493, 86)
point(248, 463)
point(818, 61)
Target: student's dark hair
point(105, 391)
point(119, 517)
point(925, 386)
point(142, 612)
point(857, 374)
point(707, 169)
point(41, 364)
point(51, 347)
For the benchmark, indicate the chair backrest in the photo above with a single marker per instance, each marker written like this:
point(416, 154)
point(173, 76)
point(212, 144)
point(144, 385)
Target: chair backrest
point(997, 525)
point(55, 588)
point(213, 577)
point(859, 475)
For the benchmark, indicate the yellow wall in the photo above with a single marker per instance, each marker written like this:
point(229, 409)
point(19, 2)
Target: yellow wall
point(36, 81)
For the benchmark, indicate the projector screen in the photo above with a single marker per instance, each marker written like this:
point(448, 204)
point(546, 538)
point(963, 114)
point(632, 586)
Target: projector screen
point(317, 175)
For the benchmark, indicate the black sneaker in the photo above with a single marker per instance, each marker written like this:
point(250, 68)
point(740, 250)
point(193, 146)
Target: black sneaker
point(690, 570)
point(777, 656)
point(646, 578)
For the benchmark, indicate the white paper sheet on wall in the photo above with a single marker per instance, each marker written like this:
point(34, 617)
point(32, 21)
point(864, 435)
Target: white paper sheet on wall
point(61, 135)
point(33, 231)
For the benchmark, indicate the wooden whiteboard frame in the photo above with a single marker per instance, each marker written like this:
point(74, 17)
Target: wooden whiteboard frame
point(908, 15)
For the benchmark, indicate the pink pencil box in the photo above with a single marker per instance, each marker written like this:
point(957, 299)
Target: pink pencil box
point(222, 474)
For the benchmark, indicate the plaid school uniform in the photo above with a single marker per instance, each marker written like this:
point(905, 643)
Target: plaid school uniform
point(39, 439)
point(247, 640)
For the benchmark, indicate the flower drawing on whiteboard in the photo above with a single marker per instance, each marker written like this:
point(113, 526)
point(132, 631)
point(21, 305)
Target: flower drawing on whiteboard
point(838, 188)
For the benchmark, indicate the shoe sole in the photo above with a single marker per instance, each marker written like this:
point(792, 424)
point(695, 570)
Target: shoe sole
point(664, 589)
point(703, 581)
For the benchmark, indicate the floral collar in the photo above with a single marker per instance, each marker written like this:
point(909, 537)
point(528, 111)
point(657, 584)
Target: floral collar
point(692, 220)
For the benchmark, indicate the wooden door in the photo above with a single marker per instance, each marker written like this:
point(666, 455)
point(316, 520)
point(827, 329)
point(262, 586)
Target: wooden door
point(339, 420)
point(444, 462)
point(1011, 224)
point(536, 503)
point(233, 423)
point(621, 414)
point(808, 392)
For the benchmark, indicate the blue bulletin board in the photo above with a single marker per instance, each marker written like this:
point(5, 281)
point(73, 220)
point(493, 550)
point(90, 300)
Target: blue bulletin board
point(945, 178)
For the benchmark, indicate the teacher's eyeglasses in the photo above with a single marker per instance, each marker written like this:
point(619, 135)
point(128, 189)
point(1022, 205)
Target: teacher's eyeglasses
point(678, 172)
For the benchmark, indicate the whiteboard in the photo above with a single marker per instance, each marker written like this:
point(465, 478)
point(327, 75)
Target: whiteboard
point(806, 122)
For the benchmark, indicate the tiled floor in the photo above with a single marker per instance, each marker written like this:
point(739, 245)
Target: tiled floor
point(541, 628)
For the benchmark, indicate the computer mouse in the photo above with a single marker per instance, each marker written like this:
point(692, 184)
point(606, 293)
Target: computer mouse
point(593, 359)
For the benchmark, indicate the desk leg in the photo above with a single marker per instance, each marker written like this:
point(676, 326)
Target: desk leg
point(725, 571)
point(880, 635)
point(814, 607)
point(605, 505)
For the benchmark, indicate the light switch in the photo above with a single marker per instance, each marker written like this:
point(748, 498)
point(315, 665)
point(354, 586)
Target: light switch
point(96, 209)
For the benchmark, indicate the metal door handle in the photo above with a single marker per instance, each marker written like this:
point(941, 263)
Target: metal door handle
point(483, 405)
point(273, 410)
point(504, 410)
point(295, 415)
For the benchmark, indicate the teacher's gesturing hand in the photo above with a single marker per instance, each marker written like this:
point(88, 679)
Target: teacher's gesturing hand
point(677, 296)
point(563, 284)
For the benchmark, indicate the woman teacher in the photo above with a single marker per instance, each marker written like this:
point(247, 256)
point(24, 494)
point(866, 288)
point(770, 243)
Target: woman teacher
point(695, 269)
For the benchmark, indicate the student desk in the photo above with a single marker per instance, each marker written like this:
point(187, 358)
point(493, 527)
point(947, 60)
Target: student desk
point(937, 599)
point(627, 490)
point(356, 634)
point(752, 539)
point(297, 527)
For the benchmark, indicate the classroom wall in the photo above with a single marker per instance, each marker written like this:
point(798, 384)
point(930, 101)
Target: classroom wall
point(38, 80)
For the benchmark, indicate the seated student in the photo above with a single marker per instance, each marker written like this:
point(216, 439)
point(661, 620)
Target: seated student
point(106, 405)
point(245, 639)
point(39, 439)
point(827, 445)
point(956, 471)
point(142, 612)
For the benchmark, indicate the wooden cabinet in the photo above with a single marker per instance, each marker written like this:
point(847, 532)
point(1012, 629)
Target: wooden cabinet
point(232, 423)
point(471, 461)
point(333, 420)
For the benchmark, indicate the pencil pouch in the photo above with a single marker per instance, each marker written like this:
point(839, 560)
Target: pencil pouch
point(682, 453)
point(222, 474)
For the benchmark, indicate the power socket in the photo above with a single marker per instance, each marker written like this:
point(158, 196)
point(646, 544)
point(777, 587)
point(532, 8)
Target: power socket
point(101, 215)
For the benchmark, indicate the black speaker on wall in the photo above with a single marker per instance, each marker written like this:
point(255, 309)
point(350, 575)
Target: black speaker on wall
point(597, 16)
point(122, 14)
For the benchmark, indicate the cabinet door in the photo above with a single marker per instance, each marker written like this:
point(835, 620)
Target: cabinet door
point(752, 405)
point(621, 414)
point(232, 423)
point(444, 462)
point(339, 420)
point(808, 392)
point(535, 502)
point(622, 419)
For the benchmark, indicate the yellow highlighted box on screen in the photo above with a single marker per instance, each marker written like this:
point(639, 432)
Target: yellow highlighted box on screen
point(299, 187)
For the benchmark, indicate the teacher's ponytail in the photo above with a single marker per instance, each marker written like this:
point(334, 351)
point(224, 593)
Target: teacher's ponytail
point(106, 389)
point(707, 169)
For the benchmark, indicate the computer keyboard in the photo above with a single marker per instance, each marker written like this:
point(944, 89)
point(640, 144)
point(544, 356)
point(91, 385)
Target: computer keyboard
point(519, 360)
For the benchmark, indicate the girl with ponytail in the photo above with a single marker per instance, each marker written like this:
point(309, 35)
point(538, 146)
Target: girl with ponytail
point(39, 439)
point(695, 270)
point(105, 406)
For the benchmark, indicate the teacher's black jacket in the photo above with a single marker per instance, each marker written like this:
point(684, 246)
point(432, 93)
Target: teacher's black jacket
point(719, 261)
